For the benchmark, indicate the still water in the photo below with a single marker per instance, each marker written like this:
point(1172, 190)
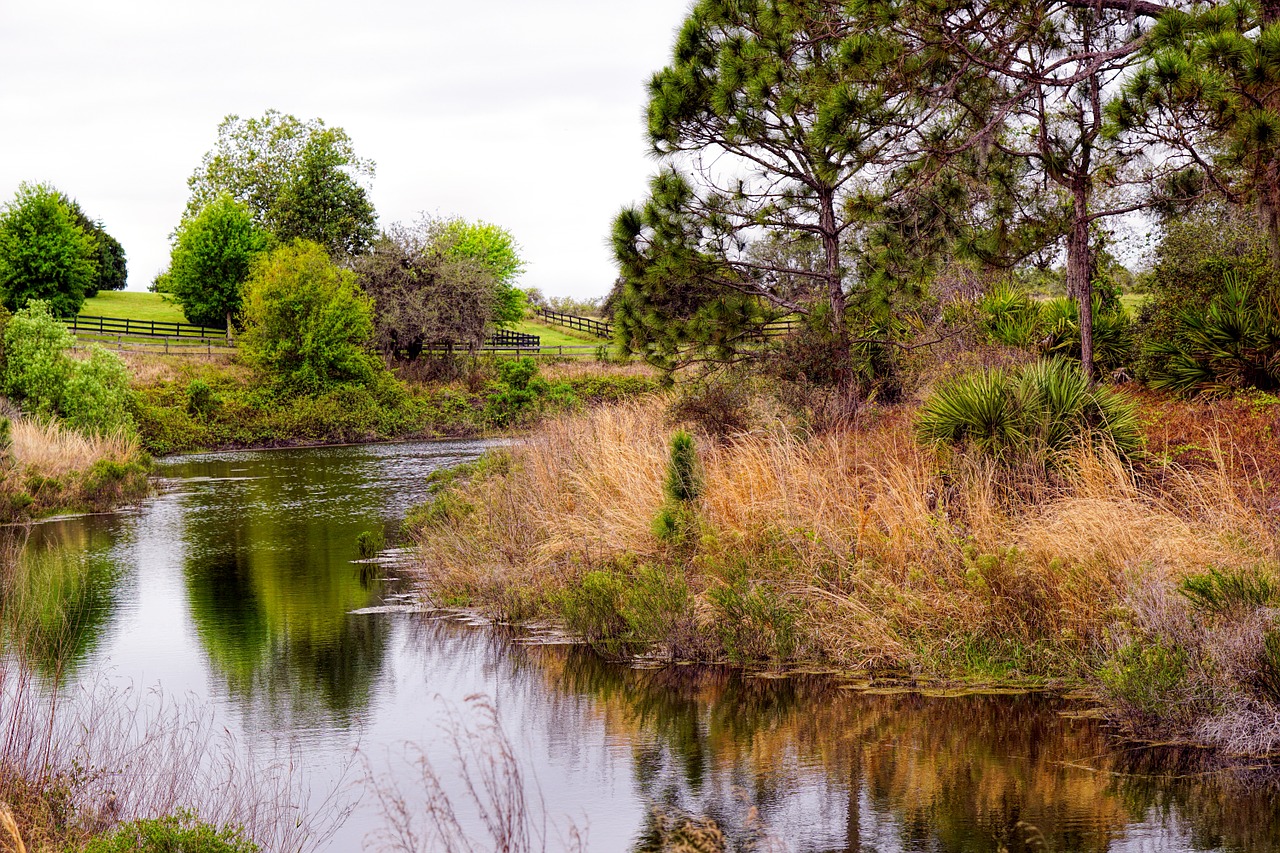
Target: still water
point(239, 584)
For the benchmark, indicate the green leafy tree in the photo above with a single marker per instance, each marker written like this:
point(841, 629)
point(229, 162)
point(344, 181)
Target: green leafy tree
point(113, 270)
point(44, 253)
point(497, 251)
point(213, 254)
point(306, 322)
point(300, 180)
point(36, 366)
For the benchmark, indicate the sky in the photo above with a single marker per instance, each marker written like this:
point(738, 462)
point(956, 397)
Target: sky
point(525, 114)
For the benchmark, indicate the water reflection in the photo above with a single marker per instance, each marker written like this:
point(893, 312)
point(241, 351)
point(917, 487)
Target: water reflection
point(68, 591)
point(272, 577)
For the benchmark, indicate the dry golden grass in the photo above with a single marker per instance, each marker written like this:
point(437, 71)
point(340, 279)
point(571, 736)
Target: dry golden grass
point(896, 558)
point(149, 369)
point(57, 451)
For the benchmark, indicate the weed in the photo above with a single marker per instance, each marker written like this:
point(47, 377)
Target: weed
point(1149, 678)
point(1221, 591)
point(369, 543)
point(180, 832)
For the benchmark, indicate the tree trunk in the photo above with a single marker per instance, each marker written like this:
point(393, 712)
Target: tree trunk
point(230, 341)
point(1079, 281)
point(836, 301)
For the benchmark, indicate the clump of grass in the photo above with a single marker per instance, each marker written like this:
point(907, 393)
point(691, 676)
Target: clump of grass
point(370, 543)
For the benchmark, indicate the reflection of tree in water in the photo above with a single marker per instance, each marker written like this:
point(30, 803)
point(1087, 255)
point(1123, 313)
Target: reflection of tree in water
point(271, 585)
point(60, 591)
point(832, 769)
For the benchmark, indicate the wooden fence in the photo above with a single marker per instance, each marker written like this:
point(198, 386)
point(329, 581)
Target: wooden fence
point(141, 328)
point(591, 326)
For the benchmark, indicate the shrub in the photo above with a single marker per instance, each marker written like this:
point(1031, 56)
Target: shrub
point(620, 614)
point(369, 543)
point(96, 398)
point(1036, 413)
point(180, 833)
point(36, 364)
point(678, 518)
point(1195, 256)
point(201, 400)
point(1231, 346)
point(1009, 316)
point(1112, 333)
point(1222, 591)
point(520, 394)
point(755, 623)
point(1148, 678)
point(307, 325)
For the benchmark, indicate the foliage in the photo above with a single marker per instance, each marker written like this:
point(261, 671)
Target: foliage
point(1232, 345)
point(307, 324)
point(423, 296)
point(179, 833)
point(1036, 413)
point(44, 253)
point(96, 397)
point(1145, 676)
point(519, 394)
point(213, 254)
point(1198, 253)
point(1112, 333)
point(1011, 317)
point(1224, 590)
point(621, 612)
point(755, 623)
point(1204, 95)
point(112, 268)
point(734, 175)
point(298, 179)
point(36, 365)
point(684, 472)
point(92, 394)
point(495, 250)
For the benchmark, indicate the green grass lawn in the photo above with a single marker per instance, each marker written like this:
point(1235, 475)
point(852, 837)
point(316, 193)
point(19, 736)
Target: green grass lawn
point(556, 336)
point(1133, 301)
point(132, 306)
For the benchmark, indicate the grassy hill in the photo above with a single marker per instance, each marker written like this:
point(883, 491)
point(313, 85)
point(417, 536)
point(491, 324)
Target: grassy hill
point(129, 305)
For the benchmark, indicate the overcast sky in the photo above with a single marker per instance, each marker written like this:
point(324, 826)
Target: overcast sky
point(527, 114)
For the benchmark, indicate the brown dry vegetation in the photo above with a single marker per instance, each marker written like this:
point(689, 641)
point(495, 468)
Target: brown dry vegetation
point(856, 548)
point(50, 468)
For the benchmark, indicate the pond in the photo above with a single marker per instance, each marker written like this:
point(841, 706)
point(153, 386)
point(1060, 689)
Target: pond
point(240, 584)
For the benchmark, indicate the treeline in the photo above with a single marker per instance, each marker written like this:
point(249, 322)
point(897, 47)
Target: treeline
point(876, 168)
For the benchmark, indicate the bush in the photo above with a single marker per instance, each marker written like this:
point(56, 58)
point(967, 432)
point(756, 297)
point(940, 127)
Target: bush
point(1148, 678)
point(201, 400)
point(1196, 256)
point(36, 365)
point(180, 833)
point(1222, 591)
point(97, 396)
point(755, 623)
point(519, 394)
point(1112, 333)
point(621, 614)
point(307, 325)
point(1034, 414)
point(1231, 346)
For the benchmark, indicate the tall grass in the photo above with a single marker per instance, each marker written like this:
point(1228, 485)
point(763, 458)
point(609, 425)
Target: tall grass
point(889, 560)
point(55, 450)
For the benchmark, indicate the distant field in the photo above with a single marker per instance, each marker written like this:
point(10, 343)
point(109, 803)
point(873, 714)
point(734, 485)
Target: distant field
point(556, 336)
point(132, 306)
point(1132, 302)
point(151, 306)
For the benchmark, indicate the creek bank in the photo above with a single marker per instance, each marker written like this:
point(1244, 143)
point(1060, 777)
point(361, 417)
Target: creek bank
point(189, 406)
point(1154, 586)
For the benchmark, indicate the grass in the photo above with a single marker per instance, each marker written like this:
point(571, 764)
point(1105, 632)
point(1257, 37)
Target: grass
point(51, 468)
point(855, 548)
point(556, 336)
point(129, 305)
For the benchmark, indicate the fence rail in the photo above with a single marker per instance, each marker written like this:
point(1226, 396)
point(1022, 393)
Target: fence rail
point(142, 328)
point(508, 338)
point(591, 326)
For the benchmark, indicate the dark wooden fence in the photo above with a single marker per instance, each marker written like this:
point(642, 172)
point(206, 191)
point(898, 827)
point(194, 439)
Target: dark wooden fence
point(141, 328)
point(508, 338)
point(591, 326)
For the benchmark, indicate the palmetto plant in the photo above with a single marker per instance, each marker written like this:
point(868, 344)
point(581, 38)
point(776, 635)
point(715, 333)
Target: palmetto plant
point(1231, 345)
point(1037, 414)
